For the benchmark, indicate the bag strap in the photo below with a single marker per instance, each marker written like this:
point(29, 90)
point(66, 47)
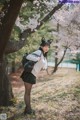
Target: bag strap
point(37, 54)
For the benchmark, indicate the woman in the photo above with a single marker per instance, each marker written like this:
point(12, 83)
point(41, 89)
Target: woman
point(30, 78)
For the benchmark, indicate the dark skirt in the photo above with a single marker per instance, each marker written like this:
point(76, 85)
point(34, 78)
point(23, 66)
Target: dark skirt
point(28, 77)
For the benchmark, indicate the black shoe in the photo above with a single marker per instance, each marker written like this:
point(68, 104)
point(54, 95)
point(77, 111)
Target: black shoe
point(29, 112)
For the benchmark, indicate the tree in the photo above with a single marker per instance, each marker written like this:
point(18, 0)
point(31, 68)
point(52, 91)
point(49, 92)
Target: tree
point(8, 15)
point(7, 22)
point(68, 30)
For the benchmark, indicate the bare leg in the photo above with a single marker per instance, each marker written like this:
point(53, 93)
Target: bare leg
point(27, 96)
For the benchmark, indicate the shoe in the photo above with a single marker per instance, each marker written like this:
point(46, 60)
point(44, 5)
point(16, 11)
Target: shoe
point(29, 112)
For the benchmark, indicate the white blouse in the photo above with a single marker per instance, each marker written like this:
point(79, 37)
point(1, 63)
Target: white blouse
point(40, 64)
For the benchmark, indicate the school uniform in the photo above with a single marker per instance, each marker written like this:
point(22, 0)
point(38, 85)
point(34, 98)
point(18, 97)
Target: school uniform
point(41, 63)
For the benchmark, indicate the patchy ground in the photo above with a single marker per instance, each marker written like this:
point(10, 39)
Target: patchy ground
point(54, 97)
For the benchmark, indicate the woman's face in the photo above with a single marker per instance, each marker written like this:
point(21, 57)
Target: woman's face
point(45, 48)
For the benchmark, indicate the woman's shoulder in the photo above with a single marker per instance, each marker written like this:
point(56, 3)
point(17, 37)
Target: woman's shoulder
point(38, 52)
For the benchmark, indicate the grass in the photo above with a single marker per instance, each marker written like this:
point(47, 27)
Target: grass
point(54, 97)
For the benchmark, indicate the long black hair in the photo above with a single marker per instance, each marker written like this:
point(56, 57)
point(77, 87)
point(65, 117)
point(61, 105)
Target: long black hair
point(44, 54)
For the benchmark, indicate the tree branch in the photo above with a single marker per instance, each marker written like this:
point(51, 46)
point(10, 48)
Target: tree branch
point(15, 46)
point(7, 23)
point(45, 19)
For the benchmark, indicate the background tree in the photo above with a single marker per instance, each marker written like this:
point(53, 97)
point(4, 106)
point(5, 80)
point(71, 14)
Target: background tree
point(67, 33)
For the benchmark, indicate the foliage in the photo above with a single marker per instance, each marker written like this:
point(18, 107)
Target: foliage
point(30, 13)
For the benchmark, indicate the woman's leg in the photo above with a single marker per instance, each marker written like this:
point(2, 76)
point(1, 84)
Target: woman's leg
point(27, 96)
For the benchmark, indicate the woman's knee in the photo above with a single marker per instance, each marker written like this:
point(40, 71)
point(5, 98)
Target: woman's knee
point(28, 88)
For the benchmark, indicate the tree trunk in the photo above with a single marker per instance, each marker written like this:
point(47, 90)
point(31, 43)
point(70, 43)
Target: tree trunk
point(55, 69)
point(13, 67)
point(6, 94)
point(8, 21)
point(56, 62)
point(56, 53)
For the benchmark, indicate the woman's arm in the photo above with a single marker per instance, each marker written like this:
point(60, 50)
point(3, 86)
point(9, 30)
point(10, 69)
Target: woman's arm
point(45, 64)
point(35, 56)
